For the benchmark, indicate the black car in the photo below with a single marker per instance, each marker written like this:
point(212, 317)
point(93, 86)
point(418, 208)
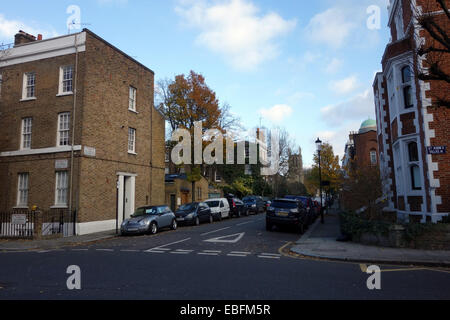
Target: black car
point(237, 207)
point(311, 209)
point(286, 212)
point(194, 214)
point(254, 204)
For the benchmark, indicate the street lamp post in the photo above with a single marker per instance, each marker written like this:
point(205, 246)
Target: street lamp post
point(319, 150)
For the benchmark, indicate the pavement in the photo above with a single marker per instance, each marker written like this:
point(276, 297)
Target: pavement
point(320, 242)
point(49, 244)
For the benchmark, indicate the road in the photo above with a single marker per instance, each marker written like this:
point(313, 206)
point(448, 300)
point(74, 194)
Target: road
point(230, 260)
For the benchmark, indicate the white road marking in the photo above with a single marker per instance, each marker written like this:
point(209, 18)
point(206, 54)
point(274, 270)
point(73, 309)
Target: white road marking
point(208, 254)
point(244, 223)
point(239, 252)
point(166, 245)
point(225, 239)
point(154, 251)
point(268, 257)
point(182, 251)
point(237, 255)
point(271, 254)
point(105, 250)
point(211, 232)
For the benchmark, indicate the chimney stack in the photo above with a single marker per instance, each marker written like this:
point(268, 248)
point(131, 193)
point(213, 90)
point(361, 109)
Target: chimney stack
point(23, 37)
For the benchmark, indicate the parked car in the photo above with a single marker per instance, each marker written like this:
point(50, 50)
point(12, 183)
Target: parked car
point(194, 214)
point(237, 207)
point(267, 202)
point(219, 207)
point(149, 220)
point(254, 204)
point(286, 212)
point(308, 203)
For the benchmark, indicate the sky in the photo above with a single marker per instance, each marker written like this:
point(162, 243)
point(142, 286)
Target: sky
point(307, 66)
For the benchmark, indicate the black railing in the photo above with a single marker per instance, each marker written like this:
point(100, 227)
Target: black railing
point(17, 224)
point(24, 224)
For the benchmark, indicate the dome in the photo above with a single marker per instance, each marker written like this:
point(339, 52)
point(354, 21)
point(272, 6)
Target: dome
point(368, 125)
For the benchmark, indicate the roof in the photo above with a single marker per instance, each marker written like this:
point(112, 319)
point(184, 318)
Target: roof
point(368, 125)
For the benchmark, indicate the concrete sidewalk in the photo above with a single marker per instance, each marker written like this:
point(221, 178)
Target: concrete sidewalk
point(31, 245)
point(320, 242)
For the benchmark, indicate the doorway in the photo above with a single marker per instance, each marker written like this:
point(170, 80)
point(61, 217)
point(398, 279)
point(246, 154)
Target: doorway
point(125, 196)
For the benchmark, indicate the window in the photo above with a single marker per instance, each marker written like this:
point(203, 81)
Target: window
point(29, 86)
point(199, 193)
point(66, 80)
point(132, 99)
point(218, 177)
point(131, 140)
point(407, 88)
point(413, 156)
point(61, 188)
point(63, 129)
point(26, 133)
point(373, 157)
point(22, 194)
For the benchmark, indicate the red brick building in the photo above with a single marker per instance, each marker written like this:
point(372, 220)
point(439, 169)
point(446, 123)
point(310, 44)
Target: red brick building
point(416, 181)
point(78, 130)
point(361, 151)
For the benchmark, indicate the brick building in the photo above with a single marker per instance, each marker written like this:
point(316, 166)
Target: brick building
point(361, 150)
point(416, 182)
point(78, 130)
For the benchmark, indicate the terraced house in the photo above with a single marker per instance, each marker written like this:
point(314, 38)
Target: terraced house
point(78, 130)
point(413, 130)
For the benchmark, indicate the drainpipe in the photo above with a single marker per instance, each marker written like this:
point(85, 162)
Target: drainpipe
point(73, 131)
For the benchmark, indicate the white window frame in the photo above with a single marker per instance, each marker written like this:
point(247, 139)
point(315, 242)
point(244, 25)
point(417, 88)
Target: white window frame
point(413, 164)
point(373, 157)
point(27, 85)
point(61, 90)
point(132, 99)
point(23, 189)
point(61, 189)
point(217, 177)
point(63, 130)
point(131, 140)
point(26, 133)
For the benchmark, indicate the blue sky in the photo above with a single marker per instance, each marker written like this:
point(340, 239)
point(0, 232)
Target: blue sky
point(307, 66)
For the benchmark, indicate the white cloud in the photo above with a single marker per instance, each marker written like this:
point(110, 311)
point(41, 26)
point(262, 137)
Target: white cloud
point(345, 86)
point(359, 108)
point(277, 113)
point(8, 28)
point(334, 66)
point(331, 27)
point(236, 30)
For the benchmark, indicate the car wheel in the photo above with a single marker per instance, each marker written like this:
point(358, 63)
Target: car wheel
point(197, 221)
point(153, 228)
point(239, 213)
point(174, 225)
point(211, 219)
point(301, 228)
point(219, 217)
point(269, 226)
point(246, 213)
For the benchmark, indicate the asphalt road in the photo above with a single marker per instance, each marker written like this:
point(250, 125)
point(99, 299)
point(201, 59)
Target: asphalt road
point(230, 260)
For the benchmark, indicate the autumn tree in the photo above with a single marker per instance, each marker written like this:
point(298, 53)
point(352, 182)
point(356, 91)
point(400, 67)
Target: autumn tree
point(185, 101)
point(435, 51)
point(329, 163)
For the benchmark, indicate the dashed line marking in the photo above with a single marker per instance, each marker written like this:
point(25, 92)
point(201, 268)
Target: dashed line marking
point(105, 250)
point(207, 254)
point(268, 257)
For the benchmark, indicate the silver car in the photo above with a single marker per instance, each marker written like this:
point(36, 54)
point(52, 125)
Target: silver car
point(149, 220)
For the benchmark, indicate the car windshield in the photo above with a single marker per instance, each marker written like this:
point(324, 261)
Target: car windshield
point(213, 204)
point(144, 211)
point(249, 199)
point(187, 207)
point(284, 204)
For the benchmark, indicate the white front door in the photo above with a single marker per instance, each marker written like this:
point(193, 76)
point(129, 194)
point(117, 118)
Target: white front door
point(126, 197)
